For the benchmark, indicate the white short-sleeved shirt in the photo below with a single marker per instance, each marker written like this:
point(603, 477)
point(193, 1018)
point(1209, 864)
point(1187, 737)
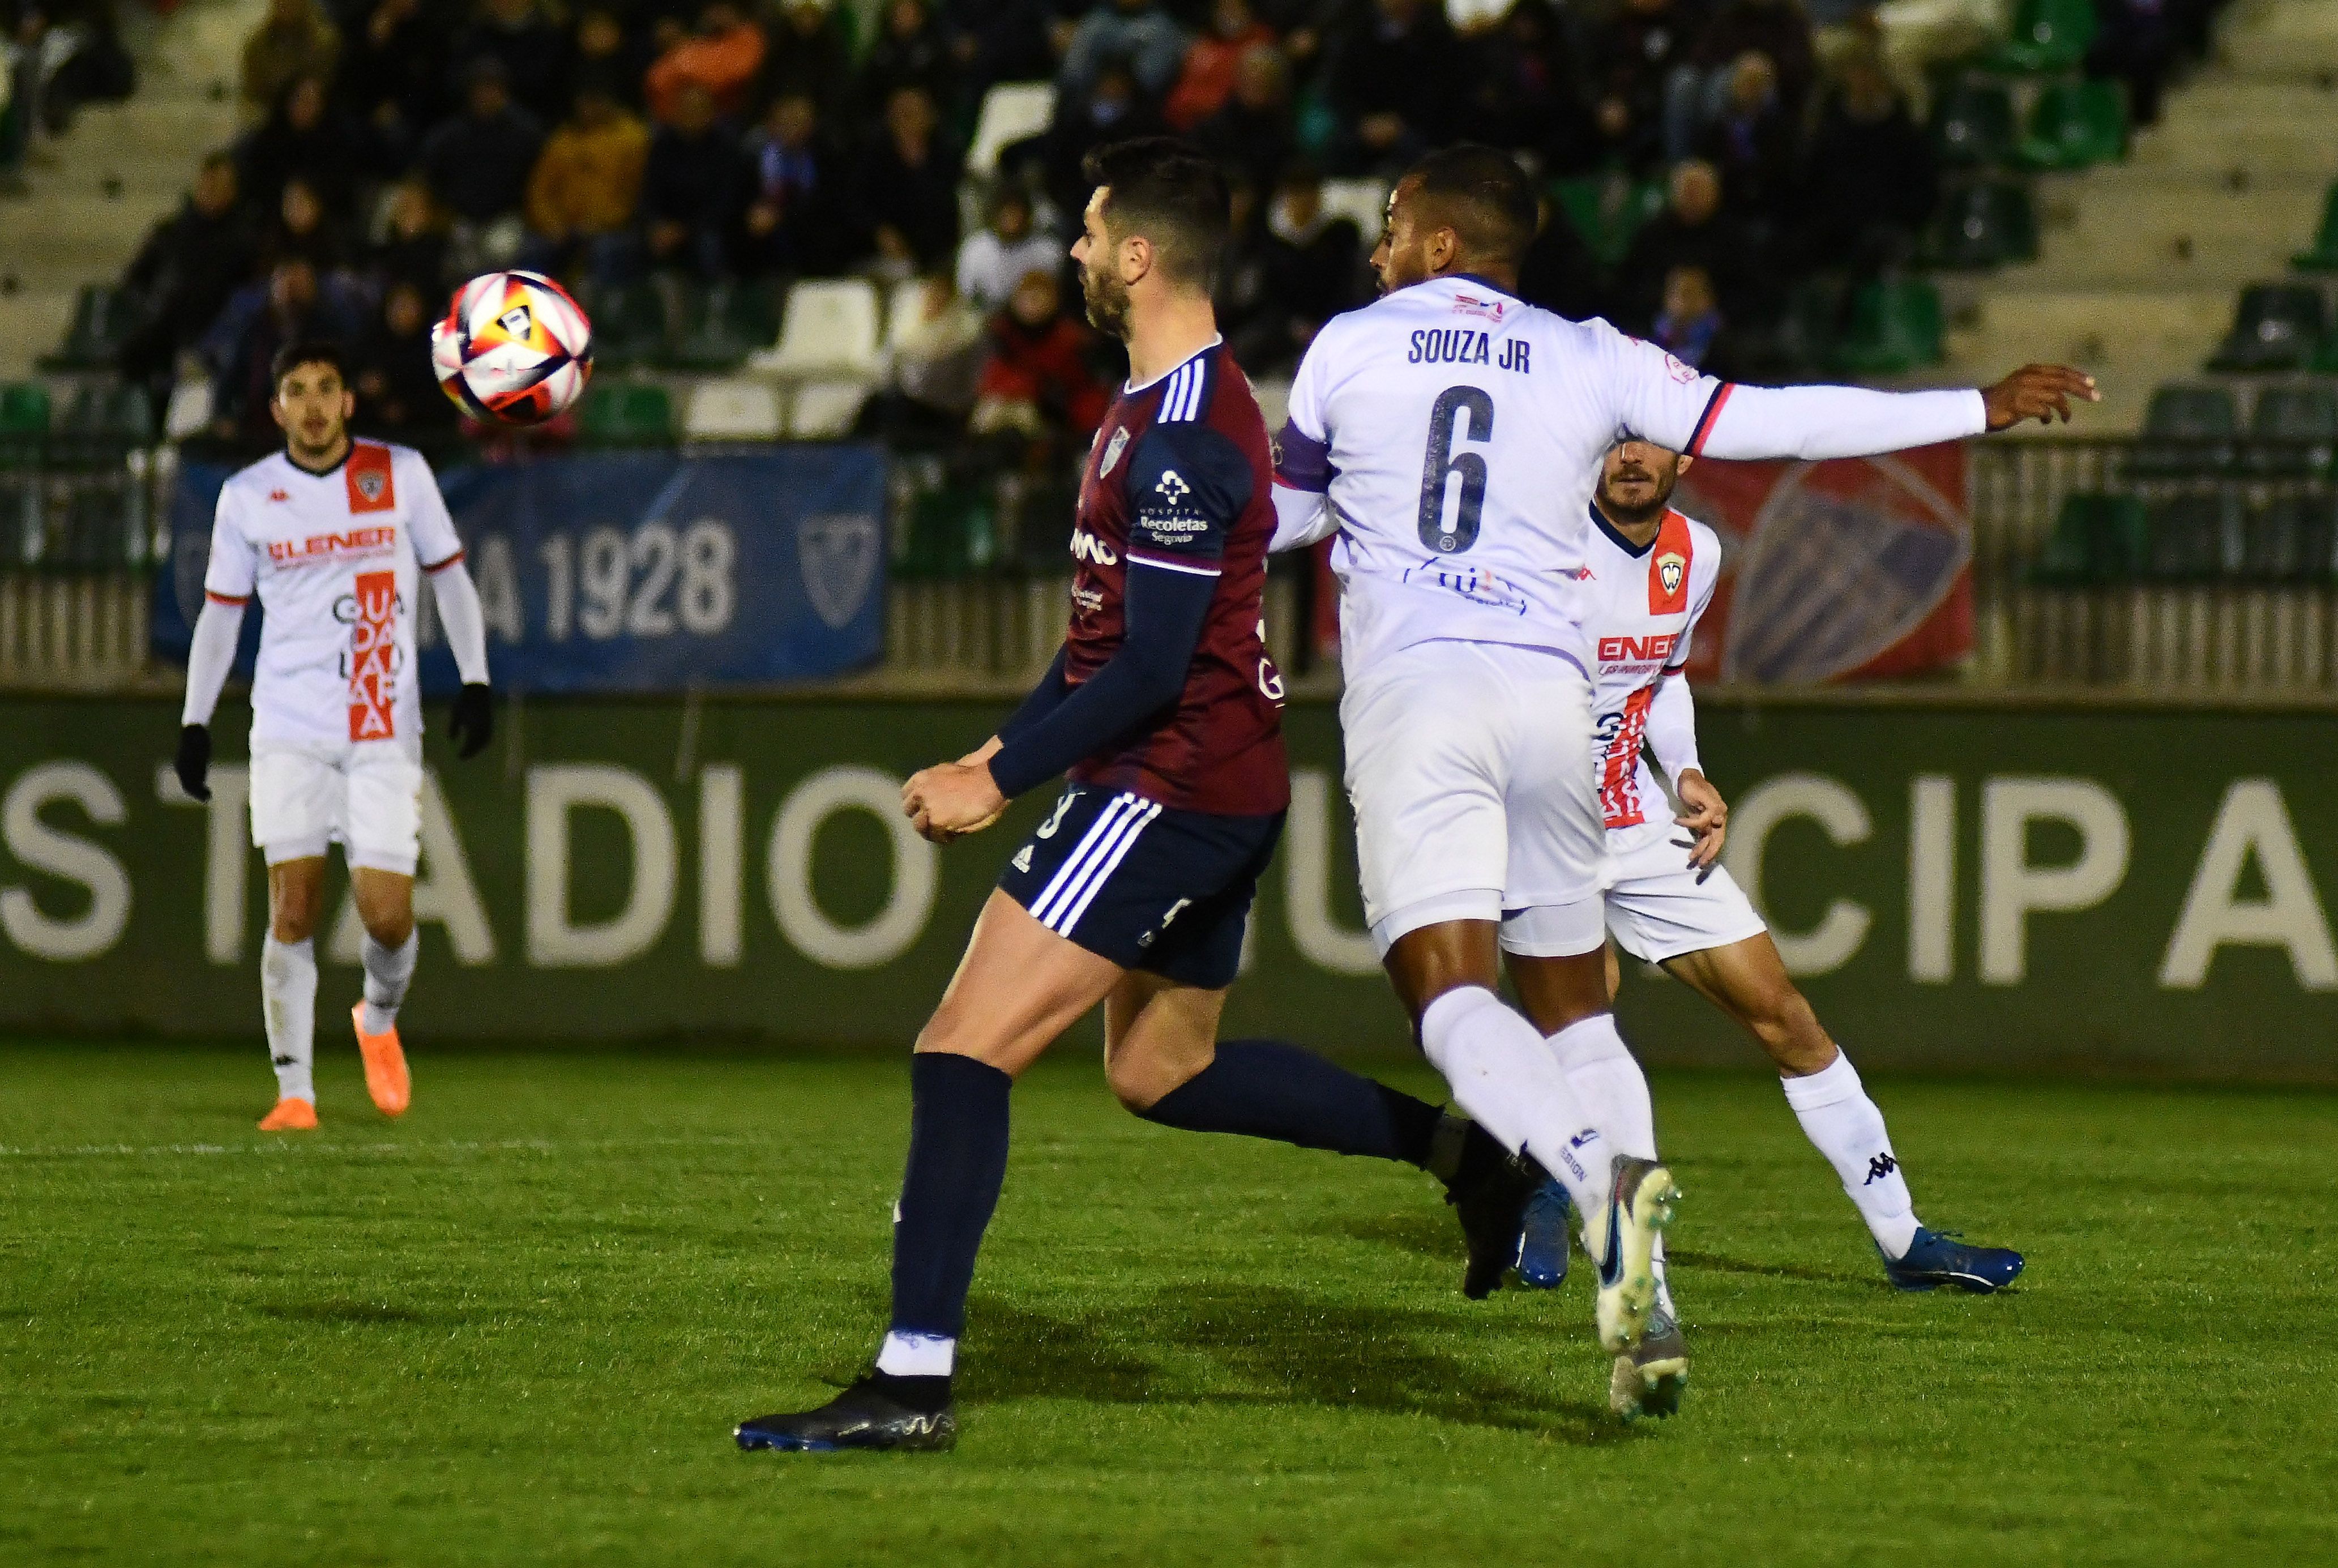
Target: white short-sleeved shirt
point(1458, 432)
point(334, 559)
point(1640, 608)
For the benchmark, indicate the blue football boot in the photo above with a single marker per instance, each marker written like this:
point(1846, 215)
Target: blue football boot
point(1936, 1257)
point(1542, 1253)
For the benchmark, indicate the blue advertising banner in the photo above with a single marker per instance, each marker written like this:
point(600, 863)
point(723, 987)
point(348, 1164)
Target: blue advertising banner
point(630, 571)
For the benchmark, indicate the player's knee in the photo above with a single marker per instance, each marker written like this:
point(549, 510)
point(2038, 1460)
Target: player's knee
point(292, 913)
point(1132, 1080)
point(390, 928)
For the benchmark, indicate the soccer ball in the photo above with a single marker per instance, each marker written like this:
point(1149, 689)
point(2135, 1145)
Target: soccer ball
point(513, 349)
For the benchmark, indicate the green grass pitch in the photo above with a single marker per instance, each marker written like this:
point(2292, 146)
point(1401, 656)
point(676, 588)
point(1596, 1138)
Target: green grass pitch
point(516, 1327)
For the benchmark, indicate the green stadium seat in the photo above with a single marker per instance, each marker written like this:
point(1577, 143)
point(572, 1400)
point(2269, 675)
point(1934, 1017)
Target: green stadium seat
point(953, 535)
point(2097, 541)
point(1973, 126)
point(2076, 125)
point(2187, 432)
point(630, 325)
point(2197, 538)
point(1895, 326)
point(1982, 224)
point(2049, 36)
point(627, 414)
point(2275, 327)
point(101, 426)
point(102, 321)
point(2291, 539)
point(23, 425)
point(720, 326)
point(2293, 432)
point(1606, 211)
point(2324, 257)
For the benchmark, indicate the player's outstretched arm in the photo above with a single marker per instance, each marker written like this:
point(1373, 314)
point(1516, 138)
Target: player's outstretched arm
point(472, 724)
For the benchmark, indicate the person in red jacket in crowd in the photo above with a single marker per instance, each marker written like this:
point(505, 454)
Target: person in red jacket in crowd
point(1208, 79)
point(1035, 380)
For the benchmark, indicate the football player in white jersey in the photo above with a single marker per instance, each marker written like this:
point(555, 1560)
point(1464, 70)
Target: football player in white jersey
point(334, 536)
point(1451, 435)
point(1648, 574)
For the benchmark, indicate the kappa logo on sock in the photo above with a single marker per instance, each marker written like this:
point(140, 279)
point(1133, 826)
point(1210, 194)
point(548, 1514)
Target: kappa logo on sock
point(1879, 1167)
point(285, 1061)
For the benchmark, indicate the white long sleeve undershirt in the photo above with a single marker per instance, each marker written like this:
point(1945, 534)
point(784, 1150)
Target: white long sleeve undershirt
point(1815, 423)
point(210, 656)
point(464, 621)
point(1671, 729)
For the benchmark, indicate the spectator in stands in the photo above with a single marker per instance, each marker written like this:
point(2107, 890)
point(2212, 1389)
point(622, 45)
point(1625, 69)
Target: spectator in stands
point(1871, 180)
point(303, 227)
point(909, 52)
point(605, 52)
point(694, 187)
point(1559, 272)
point(993, 40)
point(1395, 79)
point(478, 164)
point(416, 248)
point(2136, 42)
point(1632, 62)
point(1036, 381)
point(394, 75)
point(294, 39)
point(1525, 88)
point(289, 304)
point(397, 392)
point(1309, 261)
point(993, 260)
point(798, 222)
point(586, 184)
point(724, 56)
point(1690, 322)
point(907, 188)
point(1114, 109)
point(532, 48)
point(1698, 92)
point(1253, 132)
point(182, 275)
point(1214, 61)
point(937, 355)
point(807, 55)
point(307, 136)
point(1752, 143)
point(1138, 34)
point(1692, 231)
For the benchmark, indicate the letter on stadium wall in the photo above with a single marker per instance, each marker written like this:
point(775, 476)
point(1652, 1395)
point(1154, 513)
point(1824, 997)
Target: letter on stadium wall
point(1307, 882)
point(1837, 938)
point(554, 941)
point(227, 840)
point(444, 891)
point(39, 845)
point(2253, 820)
point(2011, 886)
point(1932, 878)
point(910, 896)
point(720, 866)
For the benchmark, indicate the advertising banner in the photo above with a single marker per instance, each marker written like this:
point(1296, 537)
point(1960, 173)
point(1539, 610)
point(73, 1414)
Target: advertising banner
point(1955, 889)
point(632, 572)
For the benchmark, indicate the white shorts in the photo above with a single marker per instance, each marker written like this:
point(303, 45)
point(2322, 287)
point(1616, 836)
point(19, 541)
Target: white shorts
point(1470, 767)
point(367, 798)
point(1658, 908)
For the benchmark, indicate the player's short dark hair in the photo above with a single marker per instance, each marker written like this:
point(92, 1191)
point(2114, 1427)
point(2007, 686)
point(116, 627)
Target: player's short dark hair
point(307, 351)
point(1166, 191)
point(1482, 195)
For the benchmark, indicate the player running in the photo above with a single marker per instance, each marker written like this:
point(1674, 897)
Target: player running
point(1167, 711)
point(1648, 574)
point(329, 533)
point(1450, 434)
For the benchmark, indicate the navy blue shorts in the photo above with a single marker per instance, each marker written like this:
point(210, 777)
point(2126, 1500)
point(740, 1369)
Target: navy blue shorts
point(1149, 887)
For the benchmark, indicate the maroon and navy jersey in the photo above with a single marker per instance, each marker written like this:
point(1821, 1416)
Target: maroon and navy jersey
point(1180, 477)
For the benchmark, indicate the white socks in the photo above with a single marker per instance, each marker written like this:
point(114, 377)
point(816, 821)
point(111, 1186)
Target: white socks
point(388, 973)
point(288, 1001)
point(1503, 1075)
point(917, 1355)
point(1845, 1126)
point(1614, 1092)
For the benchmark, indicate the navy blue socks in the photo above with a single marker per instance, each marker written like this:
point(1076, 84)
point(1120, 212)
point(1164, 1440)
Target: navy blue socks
point(1272, 1089)
point(958, 1161)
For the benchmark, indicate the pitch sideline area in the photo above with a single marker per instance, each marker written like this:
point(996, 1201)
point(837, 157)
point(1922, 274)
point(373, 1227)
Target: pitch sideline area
point(516, 1326)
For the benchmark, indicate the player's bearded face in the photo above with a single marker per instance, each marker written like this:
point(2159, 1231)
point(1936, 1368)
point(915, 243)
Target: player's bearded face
point(313, 407)
point(1401, 257)
point(1638, 478)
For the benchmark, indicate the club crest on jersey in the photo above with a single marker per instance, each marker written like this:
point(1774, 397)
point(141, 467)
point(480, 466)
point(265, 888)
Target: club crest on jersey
point(371, 484)
point(1113, 449)
point(1671, 571)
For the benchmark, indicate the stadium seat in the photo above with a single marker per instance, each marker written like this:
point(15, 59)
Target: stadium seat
point(2293, 432)
point(629, 325)
point(2097, 541)
point(2290, 539)
point(827, 409)
point(1973, 127)
point(2275, 327)
point(2324, 257)
point(2076, 124)
point(23, 425)
point(101, 426)
point(1012, 111)
point(722, 326)
point(1982, 224)
point(953, 533)
point(829, 329)
point(1607, 211)
point(1895, 326)
point(1363, 203)
point(2197, 538)
point(627, 414)
point(102, 321)
point(2049, 36)
point(2187, 431)
point(734, 409)
point(190, 413)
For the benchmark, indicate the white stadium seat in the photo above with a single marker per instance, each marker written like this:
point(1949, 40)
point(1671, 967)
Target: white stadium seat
point(190, 413)
point(1012, 111)
point(825, 410)
point(732, 409)
point(1362, 203)
point(829, 329)
point(1273, 403)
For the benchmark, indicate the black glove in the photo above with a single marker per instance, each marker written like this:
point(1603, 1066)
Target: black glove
point(194, 760)
point(472, 724)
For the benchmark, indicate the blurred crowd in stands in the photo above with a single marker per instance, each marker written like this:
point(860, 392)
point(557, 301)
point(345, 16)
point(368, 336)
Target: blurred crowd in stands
point(395, 146)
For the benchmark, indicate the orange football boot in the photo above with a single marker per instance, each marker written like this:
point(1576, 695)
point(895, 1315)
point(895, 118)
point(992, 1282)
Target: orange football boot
point(385, 1065)
point(290, 1115)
